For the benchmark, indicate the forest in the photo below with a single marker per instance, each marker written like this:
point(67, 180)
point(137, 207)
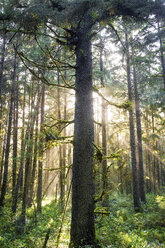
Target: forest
point(82, 123)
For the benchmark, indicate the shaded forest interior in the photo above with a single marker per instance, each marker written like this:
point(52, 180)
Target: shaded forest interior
point(82, 123)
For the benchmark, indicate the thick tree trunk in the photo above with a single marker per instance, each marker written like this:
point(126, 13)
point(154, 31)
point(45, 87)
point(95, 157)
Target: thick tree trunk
point(132, 132)
point(82, 223)
point(139, 139)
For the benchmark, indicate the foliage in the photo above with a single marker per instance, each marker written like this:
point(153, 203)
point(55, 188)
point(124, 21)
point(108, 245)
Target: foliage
point(116, 226)
point(125, 228)
point(36, 228)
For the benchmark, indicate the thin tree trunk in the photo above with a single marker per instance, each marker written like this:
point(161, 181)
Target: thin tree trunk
point(28, 159)
point(64, 145)
point(132, 132)
point(15, 141)
point(104, 140)
point(158, 167)
point(148, 157)
point(23, 147)
point(139, 139)
point(154, 158)
point(1, 71)
point(161, 54)
point(40, 162)
point(7, 152)
point(3, 156)
point(34, 167)
point(60, 148)
point(82, 222)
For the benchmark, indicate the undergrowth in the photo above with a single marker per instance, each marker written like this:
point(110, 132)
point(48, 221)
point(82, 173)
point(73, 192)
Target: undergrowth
point(123, 228)
point(117, 226)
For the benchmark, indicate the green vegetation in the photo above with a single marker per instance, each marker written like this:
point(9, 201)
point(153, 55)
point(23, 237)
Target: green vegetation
point(116, 226)
point(125, 228)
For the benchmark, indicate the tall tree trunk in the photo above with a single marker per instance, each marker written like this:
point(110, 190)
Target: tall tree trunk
point(161, 54)
point(154, 158)
point(139, 139)
point(64, 145)
point(7, 152)
point(28, 161)
point(3, 155)
point(132, 131)
point(82, 222)
point(23, 147)
point(104, 140)
point(158, 166)
point(1, 71)
point(35, 157)
point(148, 157)
point(15, 140)
point(60, 148)
point(40, 162)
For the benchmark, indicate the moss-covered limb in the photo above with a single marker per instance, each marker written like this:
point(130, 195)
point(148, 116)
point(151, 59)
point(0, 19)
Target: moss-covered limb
point(46, 190)
point(59, 168)
point(127, 105)
point(98, 123)
point(104, 193)
point(102, 210)
point(56, 64)
point(59, 121)
point(113, 155)
point(99, 154)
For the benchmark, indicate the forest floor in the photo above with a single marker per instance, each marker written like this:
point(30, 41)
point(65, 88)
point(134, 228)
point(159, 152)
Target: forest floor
point(116, 227)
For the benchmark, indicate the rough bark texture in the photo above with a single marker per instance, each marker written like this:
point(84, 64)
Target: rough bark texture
point(139, 140)
point(132, 132)
point(82, 224)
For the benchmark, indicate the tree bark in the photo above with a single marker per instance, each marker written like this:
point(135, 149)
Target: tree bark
point(61, 181)
point(104, 140)
point(82, 222)
point(139, 139)
point(161, 54)
point(23, 146)
point(132, 131)
point(15, 141)
point(35, 157)
point(1, 71)
point(7, 151)
point(40, 162)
